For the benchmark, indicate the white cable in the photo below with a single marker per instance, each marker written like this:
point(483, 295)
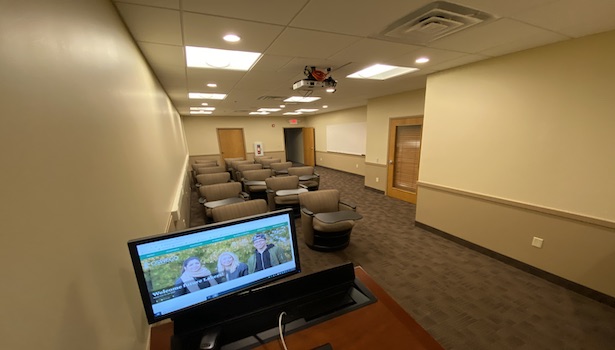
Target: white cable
point(280, 329)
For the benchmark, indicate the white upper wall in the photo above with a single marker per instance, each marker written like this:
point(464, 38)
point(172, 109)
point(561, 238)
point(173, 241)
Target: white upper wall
point(534, 127)
point(86, 167)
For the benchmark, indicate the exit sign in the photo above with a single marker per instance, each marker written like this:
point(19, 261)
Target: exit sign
point(293, 121)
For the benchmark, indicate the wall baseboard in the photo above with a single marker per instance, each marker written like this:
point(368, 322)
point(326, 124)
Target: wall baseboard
point(560, 281)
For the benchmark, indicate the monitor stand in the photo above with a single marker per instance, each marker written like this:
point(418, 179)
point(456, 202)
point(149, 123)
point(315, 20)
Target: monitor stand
point(247, 320)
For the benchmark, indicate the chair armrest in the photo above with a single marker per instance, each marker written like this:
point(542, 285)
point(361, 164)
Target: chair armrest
point(350, 205)
point(302, 186)
point(307, 211)
point(244, 195)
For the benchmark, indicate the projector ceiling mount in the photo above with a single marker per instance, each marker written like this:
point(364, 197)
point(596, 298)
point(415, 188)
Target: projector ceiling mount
point(316, 80)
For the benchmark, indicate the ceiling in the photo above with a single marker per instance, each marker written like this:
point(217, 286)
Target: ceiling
point(345, 36)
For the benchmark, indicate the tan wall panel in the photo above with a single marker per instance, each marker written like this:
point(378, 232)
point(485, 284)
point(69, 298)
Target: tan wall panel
point(575, 250)
point(340, 161)
point(376, 176)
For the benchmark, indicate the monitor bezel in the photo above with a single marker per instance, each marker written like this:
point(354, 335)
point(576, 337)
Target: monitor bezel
point(140, 275)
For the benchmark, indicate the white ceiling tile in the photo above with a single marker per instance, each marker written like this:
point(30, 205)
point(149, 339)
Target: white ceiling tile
point(572, 17)
point(170, 4)
point(151, 24)
point(361, 18)
point(265, 11)
point(309, 44)
point(160, 55)
point(502, 8)
point(271, 63)
point(208, 31)
point(487, 36)
point(372, 51)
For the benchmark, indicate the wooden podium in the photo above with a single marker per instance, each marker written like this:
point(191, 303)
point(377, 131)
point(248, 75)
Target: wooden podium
point(380, 325)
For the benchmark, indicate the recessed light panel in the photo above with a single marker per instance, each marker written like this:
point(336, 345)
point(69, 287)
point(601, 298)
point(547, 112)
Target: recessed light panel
point(203, 57)
point(381, 72)
point(302, 99)
point(205, 96)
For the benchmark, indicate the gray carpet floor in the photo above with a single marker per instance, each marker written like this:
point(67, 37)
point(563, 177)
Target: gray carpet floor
point(464, 299)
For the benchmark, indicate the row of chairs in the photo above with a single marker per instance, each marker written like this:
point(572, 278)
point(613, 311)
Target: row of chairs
point(243, 187)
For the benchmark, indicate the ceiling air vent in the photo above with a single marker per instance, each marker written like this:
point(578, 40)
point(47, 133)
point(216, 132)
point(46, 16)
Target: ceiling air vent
point(275, 98)
point(433, 21)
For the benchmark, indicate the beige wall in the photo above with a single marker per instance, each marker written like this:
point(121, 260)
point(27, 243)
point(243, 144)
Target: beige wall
point(203, 139)
point(93, 155)
point(533, 128)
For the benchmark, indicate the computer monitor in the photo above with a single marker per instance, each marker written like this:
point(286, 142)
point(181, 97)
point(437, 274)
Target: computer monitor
point(181, 271)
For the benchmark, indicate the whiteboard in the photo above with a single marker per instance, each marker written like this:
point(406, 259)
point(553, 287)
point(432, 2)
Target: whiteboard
point(347, 138)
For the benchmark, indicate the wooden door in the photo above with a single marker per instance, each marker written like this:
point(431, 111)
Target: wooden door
point(404, 156)
point(309, 150)
point(231, 143)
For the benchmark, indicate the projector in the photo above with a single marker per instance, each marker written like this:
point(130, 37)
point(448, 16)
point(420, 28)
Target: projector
point(308, 84)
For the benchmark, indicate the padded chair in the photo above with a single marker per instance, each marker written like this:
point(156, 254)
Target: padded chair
point(326, 221)
point(280, 169)
point(267, 162)
point(228, 161)
point(210, 179)
point(258, 160)
point(206, 161)
point(221, 194)
point(255, 190)
point(307, 176)
point(239, 210)
point(211, 170)
point(243, 167)
point(277, 199)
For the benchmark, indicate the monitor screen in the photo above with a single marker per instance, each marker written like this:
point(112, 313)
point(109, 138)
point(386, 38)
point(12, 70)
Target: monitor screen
point(186, 269)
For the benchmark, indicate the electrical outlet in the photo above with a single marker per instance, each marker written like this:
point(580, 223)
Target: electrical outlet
point(537, 242)
point(377, 179)
point(356, 165)
point(321, 159)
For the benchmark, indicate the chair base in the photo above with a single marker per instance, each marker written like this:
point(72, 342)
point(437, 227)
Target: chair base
point(330, 241)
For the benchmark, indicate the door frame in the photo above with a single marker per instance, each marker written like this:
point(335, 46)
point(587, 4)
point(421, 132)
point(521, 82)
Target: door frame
point(405, 195)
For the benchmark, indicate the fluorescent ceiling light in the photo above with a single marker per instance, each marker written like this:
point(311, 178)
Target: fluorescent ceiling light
point(422, 60)
point(292, 113)
point(202, 108)
point(259, 113)
point(202, 57)
point(201, 112)
point(325, 106)
point(269, 109)
point(205, 96)
point(381, 72)
point(301, 99)
point(306, 110)
point(212, 85)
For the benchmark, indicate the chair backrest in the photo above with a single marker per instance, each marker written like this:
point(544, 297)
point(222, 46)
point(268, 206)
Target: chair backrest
point(256, 175)
point(280, 167)
point(301, 170)
point(267, 162)
point(322, 201)
point(236, 163)
point(239, 210)
point(215, 178)
point(211, 170)
point(259, 159)
point(221, 191)
point(228, 161)
point(244, 167)
point(206, 161)
point(282, 183)
point(195, 166)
